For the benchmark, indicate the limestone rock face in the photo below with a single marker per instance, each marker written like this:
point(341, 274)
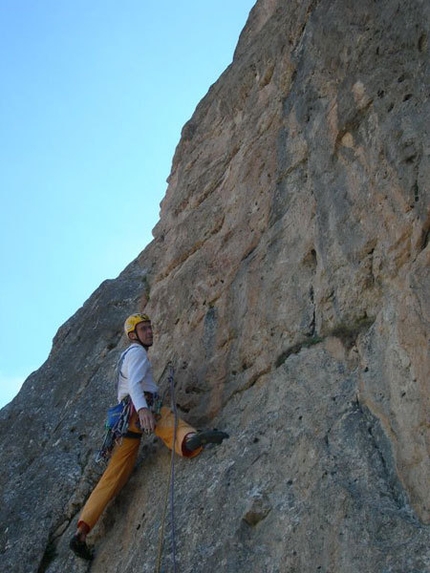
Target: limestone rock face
point(288, 281)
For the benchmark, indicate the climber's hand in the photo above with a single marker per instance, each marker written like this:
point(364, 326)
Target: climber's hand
point(146, 420)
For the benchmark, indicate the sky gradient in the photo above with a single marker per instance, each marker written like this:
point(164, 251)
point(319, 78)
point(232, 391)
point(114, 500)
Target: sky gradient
point(94, 97)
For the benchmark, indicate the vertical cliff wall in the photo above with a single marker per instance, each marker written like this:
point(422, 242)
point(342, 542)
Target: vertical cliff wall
point(288, 281)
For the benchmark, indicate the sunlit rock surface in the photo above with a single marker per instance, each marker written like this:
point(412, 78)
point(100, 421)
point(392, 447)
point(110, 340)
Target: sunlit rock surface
point(288, 281)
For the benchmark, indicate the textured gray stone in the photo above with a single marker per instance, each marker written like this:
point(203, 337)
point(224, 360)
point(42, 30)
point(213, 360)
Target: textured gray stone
point(288, 281)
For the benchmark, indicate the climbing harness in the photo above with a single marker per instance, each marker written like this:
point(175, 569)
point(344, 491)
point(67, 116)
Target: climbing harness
point(170, 491)
point(116, 427)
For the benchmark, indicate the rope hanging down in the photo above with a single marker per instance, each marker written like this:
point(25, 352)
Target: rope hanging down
point(170, 491)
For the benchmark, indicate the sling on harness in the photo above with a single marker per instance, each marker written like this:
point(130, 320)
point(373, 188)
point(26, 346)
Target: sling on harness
point(116, 427)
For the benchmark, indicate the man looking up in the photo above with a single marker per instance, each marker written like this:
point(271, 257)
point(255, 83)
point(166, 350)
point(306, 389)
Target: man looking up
point(135, 381)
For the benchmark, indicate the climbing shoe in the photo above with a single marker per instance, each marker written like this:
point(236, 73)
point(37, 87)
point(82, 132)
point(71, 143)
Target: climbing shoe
point(80, 548)
point(205, 437)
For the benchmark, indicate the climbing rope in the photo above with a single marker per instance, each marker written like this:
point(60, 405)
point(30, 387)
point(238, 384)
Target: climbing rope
point(170, 490)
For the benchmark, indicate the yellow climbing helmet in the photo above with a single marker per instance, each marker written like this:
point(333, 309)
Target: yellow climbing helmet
point(133, 320)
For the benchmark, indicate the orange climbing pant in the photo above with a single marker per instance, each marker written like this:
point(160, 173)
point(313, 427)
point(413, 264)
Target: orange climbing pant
point(123, 459)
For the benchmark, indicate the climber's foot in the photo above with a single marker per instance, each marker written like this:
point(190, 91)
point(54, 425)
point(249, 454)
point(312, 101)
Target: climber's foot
point(205, 437)
point(80, 548)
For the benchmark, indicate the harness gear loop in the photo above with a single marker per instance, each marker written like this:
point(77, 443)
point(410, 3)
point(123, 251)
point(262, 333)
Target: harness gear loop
point(116, 428)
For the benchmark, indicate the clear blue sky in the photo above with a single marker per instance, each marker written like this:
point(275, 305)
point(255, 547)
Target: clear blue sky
point(93, 98)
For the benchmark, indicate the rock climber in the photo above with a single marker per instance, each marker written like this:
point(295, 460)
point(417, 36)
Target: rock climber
point(135, 380)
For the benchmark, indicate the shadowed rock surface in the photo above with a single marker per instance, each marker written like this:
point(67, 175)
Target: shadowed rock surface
point(288, 281)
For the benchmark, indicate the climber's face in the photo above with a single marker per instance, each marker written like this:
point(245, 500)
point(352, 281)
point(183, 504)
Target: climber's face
point(143, 333)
